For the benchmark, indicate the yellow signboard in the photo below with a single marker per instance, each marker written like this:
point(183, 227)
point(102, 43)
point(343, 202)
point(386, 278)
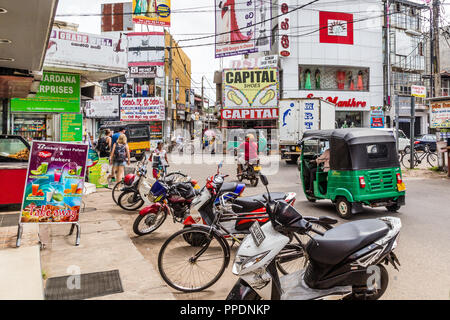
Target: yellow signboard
point(152, 12)
point(250, 88)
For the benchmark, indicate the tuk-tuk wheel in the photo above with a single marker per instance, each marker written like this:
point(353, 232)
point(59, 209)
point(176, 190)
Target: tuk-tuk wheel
point(343, 208)
point(311, 199)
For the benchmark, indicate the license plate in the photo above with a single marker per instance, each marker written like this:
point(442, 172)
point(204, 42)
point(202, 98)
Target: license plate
point(138, 151)
point(257, 168)
point(401, 186)
point(257, 233)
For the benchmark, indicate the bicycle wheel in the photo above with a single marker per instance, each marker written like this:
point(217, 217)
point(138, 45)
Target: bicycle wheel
point(432, 159)
point(117, 190)
point(130, 200)
point(192, 268)
point(406, 160)
point(293, 258)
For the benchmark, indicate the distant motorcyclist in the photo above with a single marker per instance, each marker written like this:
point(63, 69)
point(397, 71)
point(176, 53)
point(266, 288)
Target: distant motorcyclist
point(250, 152)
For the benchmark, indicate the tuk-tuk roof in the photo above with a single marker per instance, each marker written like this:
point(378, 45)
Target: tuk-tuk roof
point(351, 135)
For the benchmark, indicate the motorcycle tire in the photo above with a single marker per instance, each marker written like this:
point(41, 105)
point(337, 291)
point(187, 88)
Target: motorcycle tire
point(117, 190)
point(254, 182)
point(365, 294)
point(151, 220)
point(133, 205)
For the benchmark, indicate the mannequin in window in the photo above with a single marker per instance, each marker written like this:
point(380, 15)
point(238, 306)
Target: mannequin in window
point(307, 79)
point(351, 82)
point(352, 125)
point(344, 125)
point(317, 77)
point(340, 78)
point(360, 85)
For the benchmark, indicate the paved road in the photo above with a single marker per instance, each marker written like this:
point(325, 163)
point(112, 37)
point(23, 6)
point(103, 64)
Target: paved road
point(424, 245)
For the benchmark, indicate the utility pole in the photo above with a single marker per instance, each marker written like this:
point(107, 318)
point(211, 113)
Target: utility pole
point(388, 56)
point(170, 89)
point(203, 104)
point(436, 63)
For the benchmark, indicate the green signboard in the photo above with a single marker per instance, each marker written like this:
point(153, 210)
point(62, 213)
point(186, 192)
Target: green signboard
point(98, 173)
point(71, 127)
point(58, 92)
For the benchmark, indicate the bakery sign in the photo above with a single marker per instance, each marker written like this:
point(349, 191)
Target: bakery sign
point(250, 114)
point(347, 103)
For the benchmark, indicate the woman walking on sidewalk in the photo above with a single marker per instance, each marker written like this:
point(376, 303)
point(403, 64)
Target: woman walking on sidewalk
point(120, 156)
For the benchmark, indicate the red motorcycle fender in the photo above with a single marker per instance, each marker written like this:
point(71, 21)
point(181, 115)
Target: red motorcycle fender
point(153, 208)
point(190, 221)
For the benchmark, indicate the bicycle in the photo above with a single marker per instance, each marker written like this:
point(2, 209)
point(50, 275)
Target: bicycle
point(430, 157)
point(194, 258)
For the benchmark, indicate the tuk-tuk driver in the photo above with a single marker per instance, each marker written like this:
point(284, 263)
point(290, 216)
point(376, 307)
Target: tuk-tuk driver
point(325, 159)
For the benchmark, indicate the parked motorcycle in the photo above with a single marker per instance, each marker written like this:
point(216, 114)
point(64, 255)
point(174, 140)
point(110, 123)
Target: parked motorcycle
point(250, 171)
point(180, 200)
point(128, 180)
point(346, 262)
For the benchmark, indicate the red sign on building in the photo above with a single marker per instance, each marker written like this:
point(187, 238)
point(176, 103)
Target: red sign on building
point(250, 114)
point(336, 27)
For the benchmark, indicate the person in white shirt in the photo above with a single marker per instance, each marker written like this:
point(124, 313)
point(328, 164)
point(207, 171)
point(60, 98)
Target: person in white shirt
point(159, 160)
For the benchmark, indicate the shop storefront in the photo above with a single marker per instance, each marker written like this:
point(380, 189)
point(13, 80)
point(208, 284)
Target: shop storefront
point(342, 64)
point(39, 118)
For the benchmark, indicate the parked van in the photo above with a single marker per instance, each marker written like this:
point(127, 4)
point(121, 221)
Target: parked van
point(403, 141)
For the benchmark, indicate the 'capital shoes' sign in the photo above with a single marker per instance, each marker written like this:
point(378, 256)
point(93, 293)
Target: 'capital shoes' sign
point(250, 114)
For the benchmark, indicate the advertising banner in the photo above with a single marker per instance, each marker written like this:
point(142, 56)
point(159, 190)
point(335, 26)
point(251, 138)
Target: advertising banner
point(54, 183)
point(71, 127)
point(145, 49)
point(255, 62)
point(156, 130)
point(116, 17)
point(250, 88)
point(103, 107)
point(242, 27)
point(377, 118)
point(142, 109)
point(440, 115)
point(152, 12)
point(419, 91)
point(58, 92)
point(70, 48)
point(98, 173)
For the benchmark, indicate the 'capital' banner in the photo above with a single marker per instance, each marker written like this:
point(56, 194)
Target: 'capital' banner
point(250, 88)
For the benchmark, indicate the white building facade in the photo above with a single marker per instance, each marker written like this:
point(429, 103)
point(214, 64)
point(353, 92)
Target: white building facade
point(333, 50)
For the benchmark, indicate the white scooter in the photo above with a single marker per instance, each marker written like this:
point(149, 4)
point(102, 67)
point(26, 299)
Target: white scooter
point(346, 262)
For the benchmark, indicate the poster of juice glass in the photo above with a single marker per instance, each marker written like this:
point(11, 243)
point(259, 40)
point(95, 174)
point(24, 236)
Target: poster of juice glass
point(98, 173)
point(54, 182)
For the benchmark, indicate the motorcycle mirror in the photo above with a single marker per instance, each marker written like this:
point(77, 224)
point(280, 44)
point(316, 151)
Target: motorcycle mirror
point(264, 179)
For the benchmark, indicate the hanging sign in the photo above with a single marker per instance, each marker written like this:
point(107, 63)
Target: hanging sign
point(142, 109)
point(152, 12)
point(419, 91)
point(285, 27)
point(71, 127)
point(54, 183)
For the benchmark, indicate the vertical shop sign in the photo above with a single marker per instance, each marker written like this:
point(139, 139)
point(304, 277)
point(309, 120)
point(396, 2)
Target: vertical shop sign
point(285, 22)
point(71, 127)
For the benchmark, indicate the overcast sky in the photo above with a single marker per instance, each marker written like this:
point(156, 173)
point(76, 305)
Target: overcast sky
point(183, 25)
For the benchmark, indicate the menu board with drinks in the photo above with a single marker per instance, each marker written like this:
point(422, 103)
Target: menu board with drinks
point(54, 182)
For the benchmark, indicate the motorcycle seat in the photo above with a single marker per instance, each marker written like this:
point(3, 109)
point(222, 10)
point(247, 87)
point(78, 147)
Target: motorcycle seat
point(228, 187)
point(249, 204)
point(340, 242)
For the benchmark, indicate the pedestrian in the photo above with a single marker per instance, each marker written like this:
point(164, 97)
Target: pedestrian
point(115, 136)
point(159, 160)
point(104, 144)
point(250, 152)
point(120, 156)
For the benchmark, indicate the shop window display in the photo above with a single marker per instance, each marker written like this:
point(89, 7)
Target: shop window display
point(333, 78)
point(145, 87)
point(348, 119)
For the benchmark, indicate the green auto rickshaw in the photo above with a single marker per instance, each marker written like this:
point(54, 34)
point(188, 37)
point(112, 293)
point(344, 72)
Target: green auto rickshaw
point(351, 167)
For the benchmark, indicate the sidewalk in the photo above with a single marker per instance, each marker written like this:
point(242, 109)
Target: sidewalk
point(104, 246)
point(20, 268)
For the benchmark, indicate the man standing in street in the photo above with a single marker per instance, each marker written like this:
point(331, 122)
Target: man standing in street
point(250, 152)
point(116, 135)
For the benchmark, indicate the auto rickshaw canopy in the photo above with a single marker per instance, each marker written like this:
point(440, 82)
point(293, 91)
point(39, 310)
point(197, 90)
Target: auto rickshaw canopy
point(357, 148)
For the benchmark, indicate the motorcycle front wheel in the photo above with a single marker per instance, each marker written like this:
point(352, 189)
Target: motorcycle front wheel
point(117, 190)
point(144, 225)
point(130, 200)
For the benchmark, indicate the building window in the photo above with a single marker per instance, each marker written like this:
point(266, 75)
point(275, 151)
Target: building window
point(319, 77)
point(445, 86)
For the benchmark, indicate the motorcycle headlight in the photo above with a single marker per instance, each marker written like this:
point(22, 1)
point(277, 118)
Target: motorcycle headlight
point(243, 262)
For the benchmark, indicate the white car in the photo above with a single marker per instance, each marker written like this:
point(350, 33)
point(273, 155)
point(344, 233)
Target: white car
point(403, 141)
